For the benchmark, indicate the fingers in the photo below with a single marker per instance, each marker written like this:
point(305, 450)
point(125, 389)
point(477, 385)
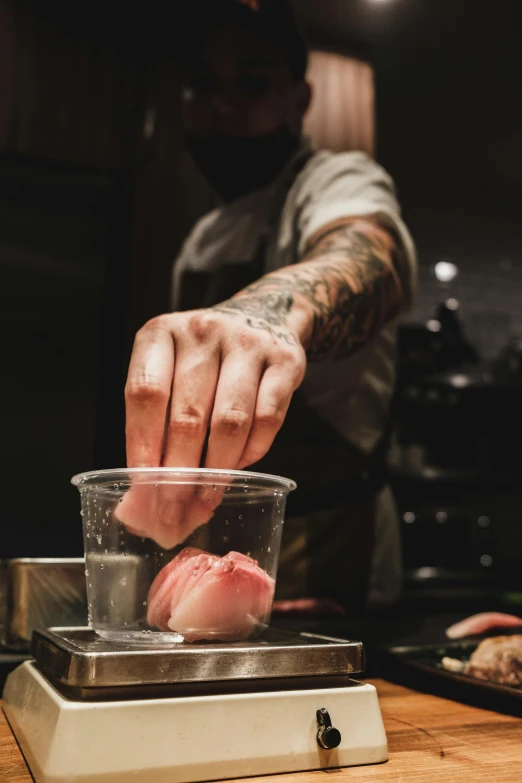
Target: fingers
point(137, 511)
point(234, 406)
point(147, 394)
point(195, 381)
point(273, 398)
point(167, 514)
point(237, 381)
point(196, 373)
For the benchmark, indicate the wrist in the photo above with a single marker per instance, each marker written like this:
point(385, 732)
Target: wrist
point(274, 298)
point(301, 320)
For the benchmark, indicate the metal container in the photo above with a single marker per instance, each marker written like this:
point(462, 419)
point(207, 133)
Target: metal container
point(37, 593)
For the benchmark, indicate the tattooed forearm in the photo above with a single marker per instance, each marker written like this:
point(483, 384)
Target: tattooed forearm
point(352, 280)
point(273, 307)
point(268, 312)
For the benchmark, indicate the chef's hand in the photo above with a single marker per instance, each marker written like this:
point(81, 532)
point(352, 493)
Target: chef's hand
point(208, 370)
point(224, 371)
point(232, 370)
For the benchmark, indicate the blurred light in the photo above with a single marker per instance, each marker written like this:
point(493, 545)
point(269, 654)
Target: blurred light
point(441, 517)
point(149, 123)
point(452, 304)
point(409, 517)
point(428, 572)
point(486, 561)
point(411, 393)
point(483, 521)
point(433, 325)
point(445, 271)
point(459, 381)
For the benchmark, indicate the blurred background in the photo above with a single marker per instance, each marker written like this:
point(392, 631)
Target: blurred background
point(97, 193)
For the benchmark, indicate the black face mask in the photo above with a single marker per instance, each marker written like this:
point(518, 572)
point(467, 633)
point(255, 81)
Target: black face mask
point(235, 166)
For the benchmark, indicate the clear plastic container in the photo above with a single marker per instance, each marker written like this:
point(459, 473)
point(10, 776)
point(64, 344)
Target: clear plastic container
point(176, 554)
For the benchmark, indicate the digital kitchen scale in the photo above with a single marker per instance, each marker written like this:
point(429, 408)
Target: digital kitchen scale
point(93, 711)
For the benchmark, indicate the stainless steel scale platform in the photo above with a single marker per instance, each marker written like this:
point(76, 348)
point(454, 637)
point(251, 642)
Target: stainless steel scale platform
point(92, 711)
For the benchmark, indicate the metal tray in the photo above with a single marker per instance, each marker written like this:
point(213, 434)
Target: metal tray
point(38, 593)
point(424, 665)
point(78, 658)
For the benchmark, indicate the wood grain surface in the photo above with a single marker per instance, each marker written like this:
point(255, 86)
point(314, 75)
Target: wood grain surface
point(13, 768)
point(431, 740)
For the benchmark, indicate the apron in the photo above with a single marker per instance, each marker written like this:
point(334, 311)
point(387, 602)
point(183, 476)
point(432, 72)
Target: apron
point(328, 537)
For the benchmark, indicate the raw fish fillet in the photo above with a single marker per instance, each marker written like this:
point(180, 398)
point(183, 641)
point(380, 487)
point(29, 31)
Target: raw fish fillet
point(479, 623)
point(203, 596)
point(166, 513)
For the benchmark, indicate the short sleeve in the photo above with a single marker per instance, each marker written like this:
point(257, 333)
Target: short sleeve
point(348, 184)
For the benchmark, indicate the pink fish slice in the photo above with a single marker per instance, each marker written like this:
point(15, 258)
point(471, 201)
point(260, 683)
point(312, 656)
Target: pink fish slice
point(203, 596)
point(480, 623)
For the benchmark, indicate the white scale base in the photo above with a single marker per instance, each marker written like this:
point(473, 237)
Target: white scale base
point(187, 739)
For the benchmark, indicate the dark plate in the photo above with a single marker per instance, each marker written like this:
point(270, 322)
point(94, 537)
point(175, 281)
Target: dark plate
point(420, 667)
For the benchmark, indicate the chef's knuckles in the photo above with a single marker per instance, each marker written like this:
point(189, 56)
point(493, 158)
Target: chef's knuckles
point(146, 391)
point(212, 327)
point(270, 420)
point(233, 423)
point(187, 425)
point(202, 325)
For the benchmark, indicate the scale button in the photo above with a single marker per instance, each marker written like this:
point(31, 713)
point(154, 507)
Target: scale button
point(328, 737)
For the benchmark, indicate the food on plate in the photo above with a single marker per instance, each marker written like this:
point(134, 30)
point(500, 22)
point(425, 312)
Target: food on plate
point(206, 597)
point(453, 665)
point(498, 659)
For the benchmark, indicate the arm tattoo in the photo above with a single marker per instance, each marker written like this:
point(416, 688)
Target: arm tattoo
point(353, 279)
point(267, 311)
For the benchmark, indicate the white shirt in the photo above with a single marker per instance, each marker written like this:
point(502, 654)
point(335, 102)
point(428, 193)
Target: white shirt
point(352, 394)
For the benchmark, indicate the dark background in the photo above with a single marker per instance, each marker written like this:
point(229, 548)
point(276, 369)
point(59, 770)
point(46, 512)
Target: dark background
point(96, 195)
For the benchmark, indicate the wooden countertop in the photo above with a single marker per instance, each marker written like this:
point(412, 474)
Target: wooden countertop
point(431, 740)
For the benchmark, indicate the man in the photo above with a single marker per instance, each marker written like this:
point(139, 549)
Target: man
point(279, 355)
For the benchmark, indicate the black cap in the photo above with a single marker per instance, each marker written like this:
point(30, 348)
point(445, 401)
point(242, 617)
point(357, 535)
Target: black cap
point(274, 19)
